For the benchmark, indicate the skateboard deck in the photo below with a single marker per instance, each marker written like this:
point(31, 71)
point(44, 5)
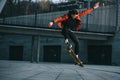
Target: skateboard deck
point(71, 52)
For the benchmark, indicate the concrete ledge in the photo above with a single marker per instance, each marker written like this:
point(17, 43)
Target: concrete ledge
point(50, 32)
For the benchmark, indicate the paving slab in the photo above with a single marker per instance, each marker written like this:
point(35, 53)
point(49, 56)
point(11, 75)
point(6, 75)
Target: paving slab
point(22, 70)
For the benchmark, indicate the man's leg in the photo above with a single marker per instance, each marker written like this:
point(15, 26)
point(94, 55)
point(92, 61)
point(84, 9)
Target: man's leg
point(76, 42)
point(65, 33)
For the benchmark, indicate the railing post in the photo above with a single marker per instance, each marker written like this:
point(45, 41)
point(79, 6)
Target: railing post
point(117, 15)
point(87, 15)
point(35, 23)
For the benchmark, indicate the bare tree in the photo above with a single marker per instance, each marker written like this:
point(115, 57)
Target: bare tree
point(44, 5)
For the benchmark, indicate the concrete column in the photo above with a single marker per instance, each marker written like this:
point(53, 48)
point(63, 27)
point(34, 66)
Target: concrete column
point(38, 49)
point(32, 49)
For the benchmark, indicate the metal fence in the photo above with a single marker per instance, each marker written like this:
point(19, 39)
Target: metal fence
point(37, 13)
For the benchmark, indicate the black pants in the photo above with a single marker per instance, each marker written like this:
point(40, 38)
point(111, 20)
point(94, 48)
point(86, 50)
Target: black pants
point(69, 34)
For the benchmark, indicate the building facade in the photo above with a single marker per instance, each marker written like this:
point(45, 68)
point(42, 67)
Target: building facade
point(53, 49)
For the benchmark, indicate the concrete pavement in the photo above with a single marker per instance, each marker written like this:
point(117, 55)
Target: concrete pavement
point(21, 70)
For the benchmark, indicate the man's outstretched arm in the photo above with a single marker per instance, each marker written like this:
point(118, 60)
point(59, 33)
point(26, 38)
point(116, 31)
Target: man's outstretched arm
point(58, 19)
point(89, 10)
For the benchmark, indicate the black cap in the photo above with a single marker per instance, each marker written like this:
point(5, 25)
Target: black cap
point(74, 11)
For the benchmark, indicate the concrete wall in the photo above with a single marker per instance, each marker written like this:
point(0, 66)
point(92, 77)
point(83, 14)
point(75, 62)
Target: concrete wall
point(26, 42)
point(14, 40)
point(65, 57)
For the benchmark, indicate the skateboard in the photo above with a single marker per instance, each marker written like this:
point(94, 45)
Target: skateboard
point(71, 52)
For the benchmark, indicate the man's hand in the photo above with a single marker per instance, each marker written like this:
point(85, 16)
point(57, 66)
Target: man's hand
point(50, 24)
point(96, 5)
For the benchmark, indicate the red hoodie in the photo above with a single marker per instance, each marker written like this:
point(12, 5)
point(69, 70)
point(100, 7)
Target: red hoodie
point(60, 19)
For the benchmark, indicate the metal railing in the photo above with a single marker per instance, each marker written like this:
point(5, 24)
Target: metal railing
point(35, 14)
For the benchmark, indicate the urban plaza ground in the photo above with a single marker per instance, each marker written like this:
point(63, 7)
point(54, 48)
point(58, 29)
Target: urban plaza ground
point(17, 70)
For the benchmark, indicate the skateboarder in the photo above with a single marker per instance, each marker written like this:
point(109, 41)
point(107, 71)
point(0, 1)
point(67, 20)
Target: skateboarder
point(71, 22)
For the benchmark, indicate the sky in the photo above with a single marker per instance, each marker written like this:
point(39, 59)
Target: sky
point(55, 1)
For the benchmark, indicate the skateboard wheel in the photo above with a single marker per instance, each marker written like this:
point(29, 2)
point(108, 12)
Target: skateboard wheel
point(81, 65)
point(69, 50)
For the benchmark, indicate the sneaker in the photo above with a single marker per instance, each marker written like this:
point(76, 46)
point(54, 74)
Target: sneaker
point(77, 56)
point(67, 42)
point(81, 64)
